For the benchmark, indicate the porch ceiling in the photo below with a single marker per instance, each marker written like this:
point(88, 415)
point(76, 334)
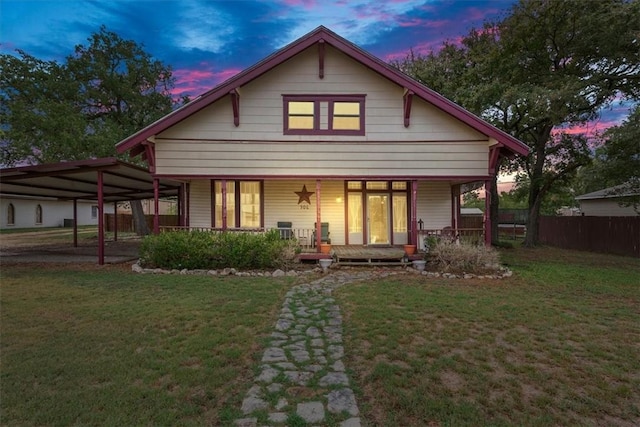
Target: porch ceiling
point(78, 180)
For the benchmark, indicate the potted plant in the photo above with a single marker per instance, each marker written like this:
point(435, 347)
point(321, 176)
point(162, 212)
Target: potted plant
point(430, 242)
point(325, 248)
point(325, 264)
point(409, 249)
point(419, 264)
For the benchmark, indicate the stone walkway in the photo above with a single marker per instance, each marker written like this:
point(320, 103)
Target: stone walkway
point(302, 375)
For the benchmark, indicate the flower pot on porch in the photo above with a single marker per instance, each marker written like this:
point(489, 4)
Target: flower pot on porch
point(409, 249)
point(325, 248)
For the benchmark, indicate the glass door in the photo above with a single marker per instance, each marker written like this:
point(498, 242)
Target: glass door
point(378, 219)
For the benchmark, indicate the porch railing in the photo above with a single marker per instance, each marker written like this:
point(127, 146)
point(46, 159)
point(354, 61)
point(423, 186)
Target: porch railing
point(304, 236)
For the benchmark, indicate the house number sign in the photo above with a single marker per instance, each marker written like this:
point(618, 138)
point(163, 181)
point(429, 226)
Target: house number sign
point(304, 196)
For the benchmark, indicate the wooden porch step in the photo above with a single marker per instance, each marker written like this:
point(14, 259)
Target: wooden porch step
point(372, 263)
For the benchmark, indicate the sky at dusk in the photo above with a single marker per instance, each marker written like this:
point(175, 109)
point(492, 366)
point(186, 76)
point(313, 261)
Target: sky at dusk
point(206, 42)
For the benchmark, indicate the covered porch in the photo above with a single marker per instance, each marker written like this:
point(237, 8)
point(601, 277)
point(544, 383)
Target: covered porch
point(370, 213)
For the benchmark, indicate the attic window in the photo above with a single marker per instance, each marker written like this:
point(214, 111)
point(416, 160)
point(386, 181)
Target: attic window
point(301, 115)
point(323, 114)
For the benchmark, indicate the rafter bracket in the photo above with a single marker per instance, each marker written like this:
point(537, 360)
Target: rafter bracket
point(494, 154)
point(150, 155)
point(321, 59)
point(235, 104)
point(408, 100)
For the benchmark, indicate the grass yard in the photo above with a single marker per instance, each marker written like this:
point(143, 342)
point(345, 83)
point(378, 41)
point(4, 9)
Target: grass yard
point(108, 347)
point(557, 344)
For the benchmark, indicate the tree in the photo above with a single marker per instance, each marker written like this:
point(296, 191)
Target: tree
point(80, 109)
point(549, 65)
point(620, 160)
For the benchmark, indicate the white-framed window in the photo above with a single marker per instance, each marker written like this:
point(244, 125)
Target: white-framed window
point(94, 211)
point(11, 214)
point(38, 214)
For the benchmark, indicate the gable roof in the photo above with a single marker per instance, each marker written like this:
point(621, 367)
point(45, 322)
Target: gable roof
point(622, 190)
point(322, 34)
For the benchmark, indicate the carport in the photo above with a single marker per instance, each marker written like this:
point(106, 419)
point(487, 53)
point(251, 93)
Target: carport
point(105, 180)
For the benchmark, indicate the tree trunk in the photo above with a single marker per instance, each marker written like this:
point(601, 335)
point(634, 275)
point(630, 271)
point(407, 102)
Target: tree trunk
point(493, 210)
point(535, 199)
point(139, 221)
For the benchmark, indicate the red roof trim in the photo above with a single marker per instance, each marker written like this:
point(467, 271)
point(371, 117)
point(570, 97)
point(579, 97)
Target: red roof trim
point(346, 47)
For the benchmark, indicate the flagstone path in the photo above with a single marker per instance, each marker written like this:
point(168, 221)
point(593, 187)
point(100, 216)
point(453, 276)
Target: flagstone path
point(302, 376)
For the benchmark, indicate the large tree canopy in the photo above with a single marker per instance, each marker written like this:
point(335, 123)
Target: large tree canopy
point(81, 108)
point(549, 65)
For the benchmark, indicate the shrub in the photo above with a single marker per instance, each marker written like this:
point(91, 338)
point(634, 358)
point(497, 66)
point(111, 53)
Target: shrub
point(450, 256)
point(205, 250)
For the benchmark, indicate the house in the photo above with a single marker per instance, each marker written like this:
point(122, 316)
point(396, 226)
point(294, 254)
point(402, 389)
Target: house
point(322, 132)
point(606, 202)
point(34, 212)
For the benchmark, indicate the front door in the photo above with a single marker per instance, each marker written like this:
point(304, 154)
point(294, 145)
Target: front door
point(378, 208)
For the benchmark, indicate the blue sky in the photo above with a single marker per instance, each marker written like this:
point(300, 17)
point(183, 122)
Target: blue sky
point(207, 41)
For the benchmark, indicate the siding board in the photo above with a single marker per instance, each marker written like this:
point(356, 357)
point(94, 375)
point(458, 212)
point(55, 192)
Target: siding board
point(209, 131)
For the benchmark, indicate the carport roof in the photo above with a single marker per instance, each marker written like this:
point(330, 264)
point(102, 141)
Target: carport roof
point(78, 180)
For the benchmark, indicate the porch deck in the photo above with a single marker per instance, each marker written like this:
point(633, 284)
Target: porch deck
point(362, 255)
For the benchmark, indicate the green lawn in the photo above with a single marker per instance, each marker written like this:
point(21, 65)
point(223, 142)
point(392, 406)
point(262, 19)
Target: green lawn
point(557, 344)
point(108, 347)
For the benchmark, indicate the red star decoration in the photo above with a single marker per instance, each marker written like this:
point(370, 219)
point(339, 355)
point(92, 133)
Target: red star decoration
point(304, 195)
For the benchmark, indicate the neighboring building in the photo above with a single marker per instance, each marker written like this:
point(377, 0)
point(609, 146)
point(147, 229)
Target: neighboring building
point(322, 131)
point(471, 212)
point(165, 207)
point(606, 202)
point(30, 212)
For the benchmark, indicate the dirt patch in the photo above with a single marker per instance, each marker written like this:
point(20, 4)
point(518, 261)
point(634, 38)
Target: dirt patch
point(452, 381)
point(14, 251)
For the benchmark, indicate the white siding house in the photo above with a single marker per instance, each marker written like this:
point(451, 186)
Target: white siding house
point(606, 202)
point(30, 212)
point(322, 131)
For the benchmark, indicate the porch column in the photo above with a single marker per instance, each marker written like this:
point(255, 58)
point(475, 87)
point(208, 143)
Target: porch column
point(115, 221)
point(223, 192)
point(187, 201)
point(75, 223)
point(318, 217)
point(487, 212)
point(179, 206)
point(455, 207)
point(156, 203)
point(414, 213)
point(100, 219)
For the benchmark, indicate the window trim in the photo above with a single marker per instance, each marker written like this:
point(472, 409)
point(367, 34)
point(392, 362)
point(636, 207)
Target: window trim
point(39, 214)
point(317, 99)
point(237, 203)
point(11, 214)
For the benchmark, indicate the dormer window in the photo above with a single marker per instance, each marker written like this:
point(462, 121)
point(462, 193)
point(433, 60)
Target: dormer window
point(323, 114)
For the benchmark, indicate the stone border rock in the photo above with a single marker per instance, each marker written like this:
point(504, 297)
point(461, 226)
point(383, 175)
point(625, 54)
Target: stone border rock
point(501, 273)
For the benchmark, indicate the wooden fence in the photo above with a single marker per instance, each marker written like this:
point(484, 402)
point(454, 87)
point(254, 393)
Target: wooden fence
point(125, 222)
point(605, 234)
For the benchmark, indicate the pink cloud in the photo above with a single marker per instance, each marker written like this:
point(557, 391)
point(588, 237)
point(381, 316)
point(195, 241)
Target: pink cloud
point(426, 23)
point(478, 15)
point(194, 82)
point(590, 129)
point(307, 4)
point(424, 48)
